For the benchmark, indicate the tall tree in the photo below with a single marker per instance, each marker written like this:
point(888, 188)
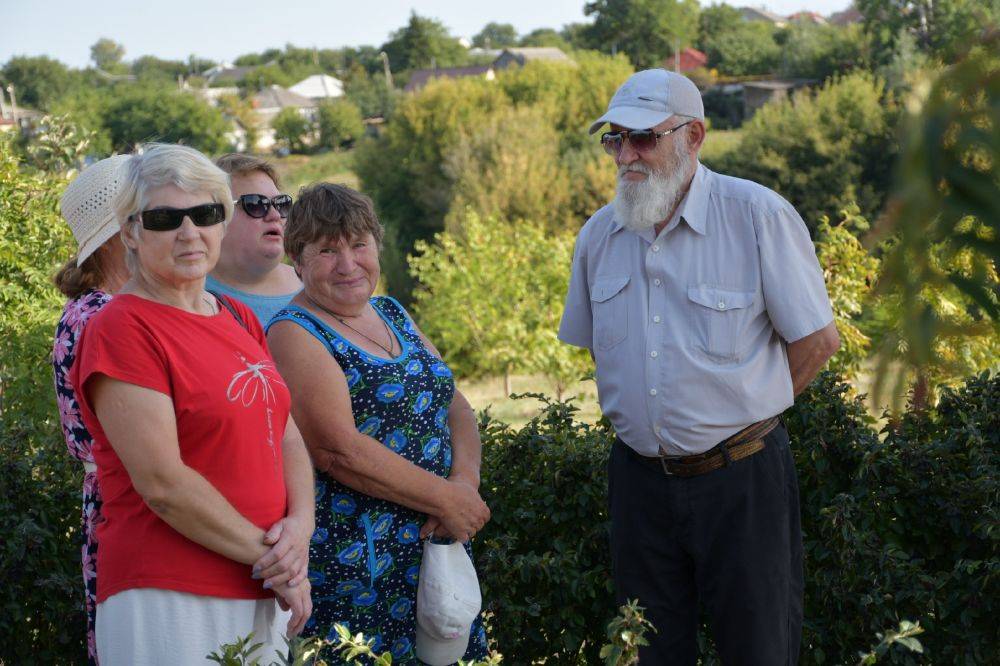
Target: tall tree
point(107, 54)
point(38, 80)
point(423, 42)
point(647, 30)
point(941, 27)
point(495, 36)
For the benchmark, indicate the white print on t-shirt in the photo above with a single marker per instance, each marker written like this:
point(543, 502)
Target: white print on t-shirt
point(255, 381)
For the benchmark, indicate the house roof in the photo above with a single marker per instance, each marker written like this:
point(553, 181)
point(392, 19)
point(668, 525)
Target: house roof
point(319, 86)
point(848, 16)
point(761, 14)
point(420, 77)
point(225, 72)
point(277, 97)
point(536, 53)
point(690, 58)
point(808, 17)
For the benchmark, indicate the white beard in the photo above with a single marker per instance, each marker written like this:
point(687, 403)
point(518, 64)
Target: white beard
point(643, 204)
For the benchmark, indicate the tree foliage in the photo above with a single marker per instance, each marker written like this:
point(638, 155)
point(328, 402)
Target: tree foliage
point(42, 595)
point(39, 81)
point(495, 36)
point(338, 123)
point(849, 272)
point(412, 170)
point(422, 43)
point(823, 150)
point(944, 216)
point(943, 28)
point(107, 54)
point(292, 130)
point(647, 30)
point(138, 114)
point(491, 295)
point(748, 48)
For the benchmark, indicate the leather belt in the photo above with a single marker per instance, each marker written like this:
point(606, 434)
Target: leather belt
point(743, 444)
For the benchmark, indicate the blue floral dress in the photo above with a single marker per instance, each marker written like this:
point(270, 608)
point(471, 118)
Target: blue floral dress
point(364, 561)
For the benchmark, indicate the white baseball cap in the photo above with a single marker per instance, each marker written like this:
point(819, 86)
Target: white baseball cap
point(448, 601)
point(87, 205)
point(651, 96)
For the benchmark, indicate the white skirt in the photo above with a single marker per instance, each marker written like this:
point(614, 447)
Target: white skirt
point(150, 627)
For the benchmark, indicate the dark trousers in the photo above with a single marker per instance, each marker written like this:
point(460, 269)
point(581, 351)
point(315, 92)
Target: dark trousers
point(729, 540)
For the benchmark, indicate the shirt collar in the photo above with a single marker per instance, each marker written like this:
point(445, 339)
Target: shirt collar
point(693, 208)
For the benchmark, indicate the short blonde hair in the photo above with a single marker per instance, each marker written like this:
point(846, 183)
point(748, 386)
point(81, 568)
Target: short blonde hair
point(240, 164)
point(325, 211)
point(160, 164)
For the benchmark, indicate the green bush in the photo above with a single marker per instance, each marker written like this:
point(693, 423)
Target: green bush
point(895, 528)
point(42, 619)
point(822, 150)
point(544, 557)
point(292, 130)
point(339, 123)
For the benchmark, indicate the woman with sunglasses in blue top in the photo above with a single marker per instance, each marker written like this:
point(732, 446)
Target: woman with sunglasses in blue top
point(250, 267)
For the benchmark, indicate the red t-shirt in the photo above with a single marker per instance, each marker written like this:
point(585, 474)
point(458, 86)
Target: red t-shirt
point(231, 407)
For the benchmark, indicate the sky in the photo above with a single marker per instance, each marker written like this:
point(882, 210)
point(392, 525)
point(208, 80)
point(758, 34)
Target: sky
point(221, 30)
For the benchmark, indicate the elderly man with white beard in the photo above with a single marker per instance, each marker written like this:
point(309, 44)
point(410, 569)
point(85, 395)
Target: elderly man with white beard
point(702, 303)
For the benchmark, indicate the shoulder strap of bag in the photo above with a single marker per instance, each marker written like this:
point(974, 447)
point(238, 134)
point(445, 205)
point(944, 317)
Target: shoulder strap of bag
point(226, 304)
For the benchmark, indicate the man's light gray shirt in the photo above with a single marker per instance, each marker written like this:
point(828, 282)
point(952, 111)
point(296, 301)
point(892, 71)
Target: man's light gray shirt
point(688, 328)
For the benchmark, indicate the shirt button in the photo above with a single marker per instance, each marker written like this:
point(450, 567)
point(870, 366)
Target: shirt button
point(654, 353)
point(652, 391)
point(657, 282)
point(722, 305)
point(656, 248)
point(656, 319)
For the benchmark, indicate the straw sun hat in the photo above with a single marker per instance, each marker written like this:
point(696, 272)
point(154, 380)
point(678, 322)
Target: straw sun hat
point(88, 204)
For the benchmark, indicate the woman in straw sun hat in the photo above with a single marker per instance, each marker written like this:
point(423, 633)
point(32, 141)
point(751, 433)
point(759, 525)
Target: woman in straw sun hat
point(88, 280)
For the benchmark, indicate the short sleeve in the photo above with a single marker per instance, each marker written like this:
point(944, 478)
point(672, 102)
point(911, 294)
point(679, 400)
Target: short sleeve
point(117, 344)
point(794, 292)
point(577, 325)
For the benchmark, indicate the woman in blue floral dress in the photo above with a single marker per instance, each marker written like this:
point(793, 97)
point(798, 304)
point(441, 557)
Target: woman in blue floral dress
point(395, 445)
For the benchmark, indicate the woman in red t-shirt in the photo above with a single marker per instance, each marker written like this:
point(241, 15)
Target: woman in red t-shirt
point(208, 494)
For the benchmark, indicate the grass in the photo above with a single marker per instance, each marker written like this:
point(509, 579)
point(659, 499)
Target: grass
point(298, 170)
point(489, 394)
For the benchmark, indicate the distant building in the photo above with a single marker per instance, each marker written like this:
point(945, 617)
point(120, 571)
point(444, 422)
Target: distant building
point(509, 57)
point(271, 101)
point(225, 73)
point(761, 14)
point(521, 55)
point(807, 17)
point(690, 59)
point(421, 77)
point(758, 93)
point(847, 17)
point(319, 87)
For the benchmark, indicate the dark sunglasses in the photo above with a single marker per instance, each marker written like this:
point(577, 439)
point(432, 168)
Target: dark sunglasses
point(642, 141)
point(256, 205)
point(168, 219)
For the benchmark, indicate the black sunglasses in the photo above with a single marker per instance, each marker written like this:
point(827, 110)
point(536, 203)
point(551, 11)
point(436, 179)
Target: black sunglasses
point(168, 219)
point(256, 205)
point(642, 141)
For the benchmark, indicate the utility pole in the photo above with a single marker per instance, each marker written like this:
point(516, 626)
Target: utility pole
point(13, 106)
point(385, 68)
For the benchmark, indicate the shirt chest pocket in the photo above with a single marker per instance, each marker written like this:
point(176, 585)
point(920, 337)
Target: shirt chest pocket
point(608, 300)
point(719, 316)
